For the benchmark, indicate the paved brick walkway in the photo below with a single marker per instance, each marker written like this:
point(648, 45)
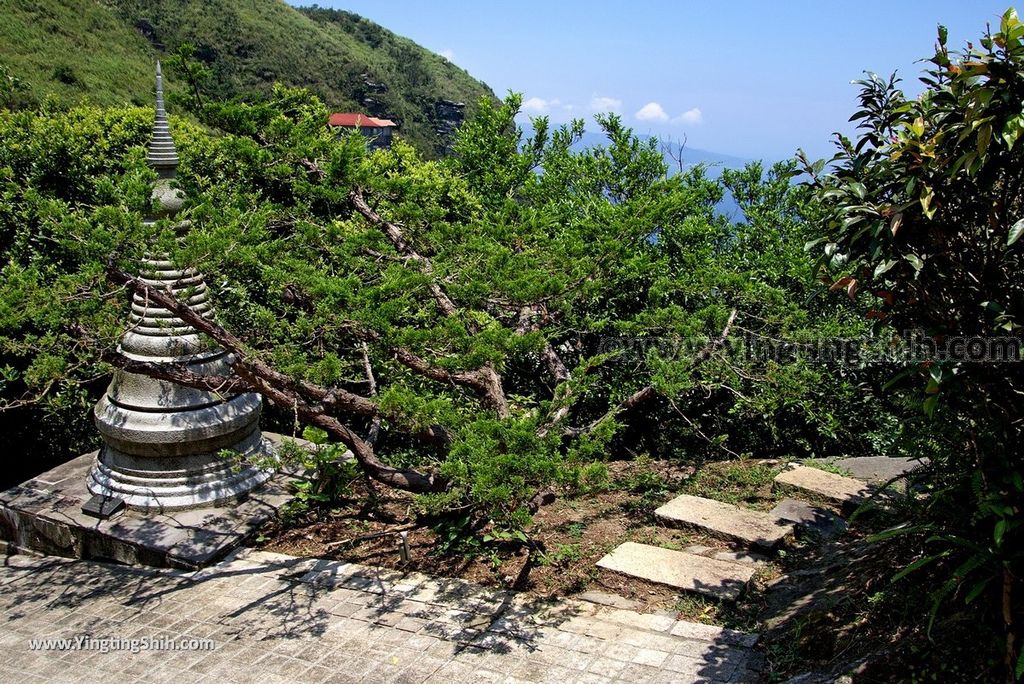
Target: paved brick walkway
point(278, 619)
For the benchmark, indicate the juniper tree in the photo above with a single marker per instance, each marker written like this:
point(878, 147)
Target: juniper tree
point(473, 329)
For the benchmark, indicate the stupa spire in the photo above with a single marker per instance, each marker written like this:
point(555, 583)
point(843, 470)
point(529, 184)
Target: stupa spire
point(162, 153)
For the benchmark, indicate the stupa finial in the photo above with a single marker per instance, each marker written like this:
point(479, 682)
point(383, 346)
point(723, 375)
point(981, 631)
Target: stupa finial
point(162, 153)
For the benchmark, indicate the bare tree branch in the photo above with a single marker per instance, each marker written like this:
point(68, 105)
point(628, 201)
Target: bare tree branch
point(647, 392)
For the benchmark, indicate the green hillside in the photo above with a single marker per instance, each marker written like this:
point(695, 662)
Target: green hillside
point(104, 50)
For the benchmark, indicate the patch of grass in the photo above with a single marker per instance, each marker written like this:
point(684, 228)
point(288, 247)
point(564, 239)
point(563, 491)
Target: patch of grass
point(745, 483)
point(562, 554)
point(642, 478)
point(576, 529)
point(697, 608)
point(592, 478)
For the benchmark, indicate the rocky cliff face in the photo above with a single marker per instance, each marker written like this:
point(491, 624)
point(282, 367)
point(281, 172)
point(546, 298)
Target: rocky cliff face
point(448, 116)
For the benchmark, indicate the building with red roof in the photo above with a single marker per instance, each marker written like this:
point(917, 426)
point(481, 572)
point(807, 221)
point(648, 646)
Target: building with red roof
point(379, 131)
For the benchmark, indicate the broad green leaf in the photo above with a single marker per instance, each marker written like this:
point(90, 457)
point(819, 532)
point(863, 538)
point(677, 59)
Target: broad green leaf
point(976, 590)
point(895, 532)
point(927, 197)
point(1016, 230)
point(1012, 130)
point(999, 531)
point(918, 564)
point(896, 222)
point(984, 138)
point(884, 267)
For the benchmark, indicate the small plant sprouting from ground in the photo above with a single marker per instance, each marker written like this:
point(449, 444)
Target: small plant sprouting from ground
point(324, 471)
point(827, 466)
point(561, 555)
point(592, 478)
point(576, 529)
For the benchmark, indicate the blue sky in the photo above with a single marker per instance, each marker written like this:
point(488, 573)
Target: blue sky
point(750, 79)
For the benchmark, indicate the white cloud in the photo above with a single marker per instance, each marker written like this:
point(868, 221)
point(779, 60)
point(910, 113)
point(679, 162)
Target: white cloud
point(600, 103)
point(652, 111)
point(538, 105)
point(535, 105)
point(691, 117)
point(448, 54)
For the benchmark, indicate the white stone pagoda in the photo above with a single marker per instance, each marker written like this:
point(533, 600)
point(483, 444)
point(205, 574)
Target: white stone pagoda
point(162, 440)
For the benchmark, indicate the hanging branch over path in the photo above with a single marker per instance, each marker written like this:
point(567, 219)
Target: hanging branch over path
point(485, 380)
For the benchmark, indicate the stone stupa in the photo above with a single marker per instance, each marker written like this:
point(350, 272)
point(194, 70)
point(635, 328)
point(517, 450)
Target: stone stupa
point(162, 440)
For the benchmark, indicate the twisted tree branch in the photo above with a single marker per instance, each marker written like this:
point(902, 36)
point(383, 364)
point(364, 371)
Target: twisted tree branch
point(647, 392)
point(285, 391)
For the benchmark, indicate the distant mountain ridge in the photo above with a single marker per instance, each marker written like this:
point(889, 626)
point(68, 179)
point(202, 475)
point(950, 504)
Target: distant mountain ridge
point(104, 50)
point(714, 161)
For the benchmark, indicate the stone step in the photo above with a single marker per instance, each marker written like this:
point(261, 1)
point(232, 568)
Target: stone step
point(726, 555)
point(879, 469)
point(678, 569)
point(835, 488)
point(725, 520)
point(820, 521)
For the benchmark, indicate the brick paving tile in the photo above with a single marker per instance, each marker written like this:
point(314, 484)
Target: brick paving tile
point(273, 619)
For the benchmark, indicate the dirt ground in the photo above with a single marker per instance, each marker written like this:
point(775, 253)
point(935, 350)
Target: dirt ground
point(568, 537)
point(819, 605)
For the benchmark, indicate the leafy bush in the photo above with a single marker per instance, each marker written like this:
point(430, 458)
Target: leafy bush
point(924, 218)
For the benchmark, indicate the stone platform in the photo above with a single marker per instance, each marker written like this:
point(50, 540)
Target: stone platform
point(270, 619)
point(45, 515)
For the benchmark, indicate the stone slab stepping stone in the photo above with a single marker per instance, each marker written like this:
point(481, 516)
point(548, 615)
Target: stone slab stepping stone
point(835, 488)
point(725, 520)
point(725, 555)
point(708, 576)
point(878, 469)
point(819, 520)
point(602, 598)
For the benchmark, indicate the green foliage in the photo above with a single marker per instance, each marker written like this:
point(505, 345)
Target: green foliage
point(456, 536)
point(329, 470)
point(195, 72)
point(642, 480)
point(73, 184)
point(923, 216)
point(590, 478)
point(14, 92)
point(827, 466)
point(622, 271)
point(736, 482)
point(562, 555)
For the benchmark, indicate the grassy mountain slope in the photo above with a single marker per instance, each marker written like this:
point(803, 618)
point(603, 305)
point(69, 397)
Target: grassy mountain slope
point(104, 49)
point(73, 49)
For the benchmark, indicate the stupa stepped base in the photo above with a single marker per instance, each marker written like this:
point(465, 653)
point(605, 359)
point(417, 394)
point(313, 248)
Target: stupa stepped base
point(217, 484)
point(45, 515)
